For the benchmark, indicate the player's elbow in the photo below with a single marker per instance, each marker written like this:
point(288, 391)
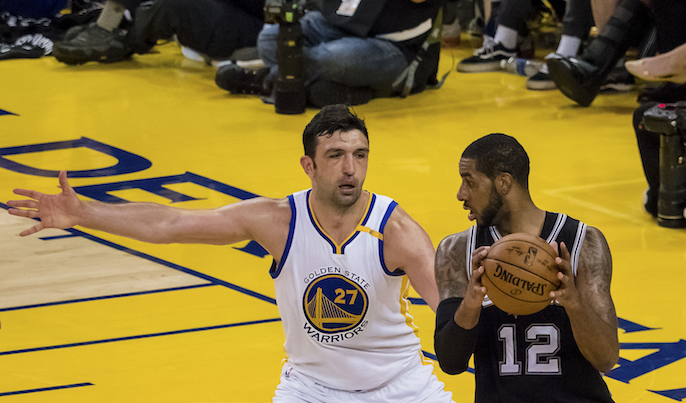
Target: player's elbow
point(451, 362)
point(452, 368)
point(607, 363)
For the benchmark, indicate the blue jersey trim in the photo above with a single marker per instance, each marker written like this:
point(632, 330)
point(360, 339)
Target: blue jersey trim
point(275, 270)
point(369, 212)
point(364, 222)
point(386, 216)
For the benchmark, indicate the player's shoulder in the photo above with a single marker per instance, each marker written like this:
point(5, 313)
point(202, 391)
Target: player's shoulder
point(261, 209)
point(454, 242)
point(595, 245)
point(268, 203)
point(594, 235)
point(279, 207)
point(399, 221)
point(404, 237)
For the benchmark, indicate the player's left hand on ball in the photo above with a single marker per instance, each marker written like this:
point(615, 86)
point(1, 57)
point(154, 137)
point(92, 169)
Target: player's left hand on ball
point(567, 295)
point(476, 290)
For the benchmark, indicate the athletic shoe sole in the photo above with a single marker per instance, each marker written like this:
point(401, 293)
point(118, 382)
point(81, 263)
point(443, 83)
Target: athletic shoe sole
point(80, 56)
point(479, 67)
point(619, 87)
point(540, 85)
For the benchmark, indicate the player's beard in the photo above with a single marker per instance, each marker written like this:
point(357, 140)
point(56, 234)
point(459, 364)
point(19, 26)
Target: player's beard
point(345, 201)
point(490, 212)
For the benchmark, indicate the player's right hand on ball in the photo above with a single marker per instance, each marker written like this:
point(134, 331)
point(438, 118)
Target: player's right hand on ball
point(54, 211)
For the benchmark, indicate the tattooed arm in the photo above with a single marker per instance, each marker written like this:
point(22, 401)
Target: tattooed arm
point(460, 307)
point(451, 277)
point(588, 302)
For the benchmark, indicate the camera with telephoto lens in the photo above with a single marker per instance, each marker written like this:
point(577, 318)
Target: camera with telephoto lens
point(289, 89)
point(669, 121)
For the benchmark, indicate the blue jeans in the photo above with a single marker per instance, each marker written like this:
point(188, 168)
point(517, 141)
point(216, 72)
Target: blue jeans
point(333, 55)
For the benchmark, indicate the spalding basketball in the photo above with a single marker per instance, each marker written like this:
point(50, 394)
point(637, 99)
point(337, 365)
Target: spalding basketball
point(519, 273)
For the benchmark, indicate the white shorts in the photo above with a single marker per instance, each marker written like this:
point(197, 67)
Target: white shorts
point(414, 386)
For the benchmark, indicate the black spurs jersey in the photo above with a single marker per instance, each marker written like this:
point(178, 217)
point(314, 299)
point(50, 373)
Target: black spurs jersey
point(533, 358)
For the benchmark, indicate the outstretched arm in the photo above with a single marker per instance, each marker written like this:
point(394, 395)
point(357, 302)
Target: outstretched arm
point(261, 219)
point(588, 302)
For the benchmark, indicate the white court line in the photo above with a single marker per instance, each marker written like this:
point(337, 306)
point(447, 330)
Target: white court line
point(561, 193)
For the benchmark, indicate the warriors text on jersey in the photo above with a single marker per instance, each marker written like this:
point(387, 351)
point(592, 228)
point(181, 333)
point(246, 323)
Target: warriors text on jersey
point(533, 358)
point(343, 311)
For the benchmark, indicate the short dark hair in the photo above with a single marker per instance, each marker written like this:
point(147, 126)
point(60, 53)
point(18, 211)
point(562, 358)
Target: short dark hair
point(330, 119)
point(496, 153)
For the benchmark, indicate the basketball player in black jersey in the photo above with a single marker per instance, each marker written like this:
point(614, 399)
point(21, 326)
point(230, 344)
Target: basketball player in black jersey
point(555, 355)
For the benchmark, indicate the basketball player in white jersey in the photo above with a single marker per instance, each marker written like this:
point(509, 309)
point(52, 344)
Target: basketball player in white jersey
point(555, 355)
point(342, 260)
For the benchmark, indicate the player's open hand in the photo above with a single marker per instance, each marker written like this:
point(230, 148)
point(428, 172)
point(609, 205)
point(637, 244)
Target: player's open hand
point(567, 295)
point(55, 211)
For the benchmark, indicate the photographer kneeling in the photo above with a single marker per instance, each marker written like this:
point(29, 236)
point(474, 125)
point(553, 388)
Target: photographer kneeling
point(353, 51)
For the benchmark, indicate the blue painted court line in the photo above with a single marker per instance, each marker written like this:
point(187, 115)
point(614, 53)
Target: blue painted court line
point(213, 280)
point(142, 336)
point(631, 327)
point(130, 294)
point(50, 238)
point(22, 392)
point(674, 394)
point(429, 355)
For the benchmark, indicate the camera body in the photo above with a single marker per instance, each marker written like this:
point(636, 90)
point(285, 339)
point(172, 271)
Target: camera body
point(669, 121)
point(289, 89)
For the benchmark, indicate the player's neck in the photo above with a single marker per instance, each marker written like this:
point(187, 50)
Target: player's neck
point(522, 217)
point(339, 222)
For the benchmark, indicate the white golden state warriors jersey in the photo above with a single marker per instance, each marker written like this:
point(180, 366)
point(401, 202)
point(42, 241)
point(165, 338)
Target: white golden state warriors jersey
point(343, 311)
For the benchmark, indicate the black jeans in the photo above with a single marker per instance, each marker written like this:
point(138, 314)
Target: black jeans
point(215, 28)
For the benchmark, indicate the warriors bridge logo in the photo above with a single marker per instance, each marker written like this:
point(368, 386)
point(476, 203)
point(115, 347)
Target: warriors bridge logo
point(335, 304)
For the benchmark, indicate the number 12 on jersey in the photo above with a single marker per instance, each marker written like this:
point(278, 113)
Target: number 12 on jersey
point(543, 342)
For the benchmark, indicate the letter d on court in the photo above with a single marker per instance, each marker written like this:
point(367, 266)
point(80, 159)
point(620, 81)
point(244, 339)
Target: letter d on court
point(126, 161)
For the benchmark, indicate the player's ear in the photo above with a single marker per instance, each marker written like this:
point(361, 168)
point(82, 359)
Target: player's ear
point(308, 165)
point(504, 182)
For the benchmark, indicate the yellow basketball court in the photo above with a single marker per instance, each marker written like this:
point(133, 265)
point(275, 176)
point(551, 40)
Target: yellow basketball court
point(90, 317)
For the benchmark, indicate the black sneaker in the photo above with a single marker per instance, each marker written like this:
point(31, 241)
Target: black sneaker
point(487, 58)
point(576, 79)
point(92, 43)
point(540, 81)
point(238, 80)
